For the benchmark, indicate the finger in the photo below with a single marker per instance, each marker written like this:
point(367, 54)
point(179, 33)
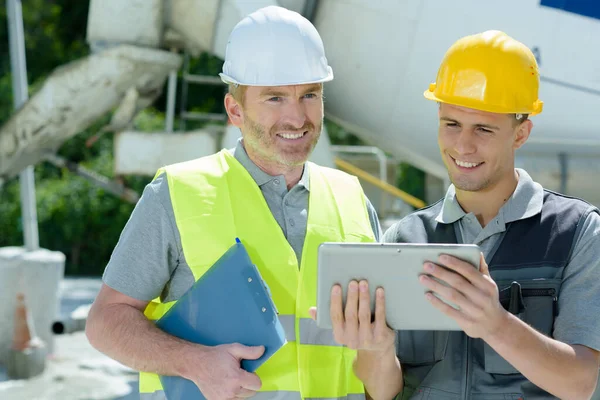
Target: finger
point(456, 281)
point(351, 316)
point(445, 308)
point(449, 294)
point(335, 309)
point(483, 267)
point(242, 352)
point(467, 270)
point(249, 381)
point(380, 322)
point(313, 313)
point(364, 313)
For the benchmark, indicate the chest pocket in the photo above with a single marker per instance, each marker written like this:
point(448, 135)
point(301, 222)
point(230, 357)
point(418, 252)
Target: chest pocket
point(534, 301)
point(418, 348)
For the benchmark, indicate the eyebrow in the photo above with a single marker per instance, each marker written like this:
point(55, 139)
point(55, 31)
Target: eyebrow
point(312, 88)
point(487, 126)
point(273, 92)
point(279, 93)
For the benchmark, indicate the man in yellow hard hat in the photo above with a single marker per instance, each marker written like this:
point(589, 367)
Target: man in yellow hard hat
point(529, 314)
point(264, 192)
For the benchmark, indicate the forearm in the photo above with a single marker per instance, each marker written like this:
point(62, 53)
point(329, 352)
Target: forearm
point(556, 367)
point(123, 333)
point(380, 373)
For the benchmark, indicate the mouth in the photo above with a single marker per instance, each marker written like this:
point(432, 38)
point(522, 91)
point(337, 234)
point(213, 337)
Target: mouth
point(466, 165)
point(292, 136)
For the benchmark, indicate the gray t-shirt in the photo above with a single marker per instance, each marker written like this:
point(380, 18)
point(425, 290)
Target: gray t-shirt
point(148, 260)
point(580, 292)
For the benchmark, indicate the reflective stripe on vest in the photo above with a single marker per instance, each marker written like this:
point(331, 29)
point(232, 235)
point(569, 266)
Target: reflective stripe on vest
point(281, 395)
point(211, 197)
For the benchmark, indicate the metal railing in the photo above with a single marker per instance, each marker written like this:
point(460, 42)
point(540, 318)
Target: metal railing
point(386, 187)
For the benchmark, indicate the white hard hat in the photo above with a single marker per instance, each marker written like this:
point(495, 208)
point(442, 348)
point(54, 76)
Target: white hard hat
point(274, 46)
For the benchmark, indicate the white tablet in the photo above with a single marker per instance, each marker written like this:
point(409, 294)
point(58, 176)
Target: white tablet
point(395, 267)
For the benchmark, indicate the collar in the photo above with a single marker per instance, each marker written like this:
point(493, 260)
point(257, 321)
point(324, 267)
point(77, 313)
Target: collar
point(261, 177)
point(526, 201)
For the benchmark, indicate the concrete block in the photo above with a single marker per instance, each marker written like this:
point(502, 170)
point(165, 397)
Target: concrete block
point(28, 363)
point(136, 22)
point(37, 275)
point(144, 153)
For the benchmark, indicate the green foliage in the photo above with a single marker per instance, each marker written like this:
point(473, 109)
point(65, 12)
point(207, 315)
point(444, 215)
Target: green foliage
point(411, 180)
point(339, 136)
point(74, 216)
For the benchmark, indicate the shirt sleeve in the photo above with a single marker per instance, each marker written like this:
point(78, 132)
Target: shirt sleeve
point(147, 253)
point(577, 321)
point(374, 219)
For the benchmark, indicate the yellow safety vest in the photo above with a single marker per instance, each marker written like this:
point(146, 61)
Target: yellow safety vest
point(215, 200)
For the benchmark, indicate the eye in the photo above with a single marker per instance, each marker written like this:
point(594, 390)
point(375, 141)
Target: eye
point(451, 124)
point(310, 96)
point(484, 130)
point(274, 99)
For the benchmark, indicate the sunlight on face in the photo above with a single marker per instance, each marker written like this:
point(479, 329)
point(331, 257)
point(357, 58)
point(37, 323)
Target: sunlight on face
point(477, 147)
point(282, 124)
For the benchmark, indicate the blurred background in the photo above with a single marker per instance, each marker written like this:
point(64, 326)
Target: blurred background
point(107, 91)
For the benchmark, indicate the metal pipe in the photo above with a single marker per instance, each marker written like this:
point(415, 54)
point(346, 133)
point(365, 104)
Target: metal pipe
point(310, 8)
point(205, 80)
point(184, 92)
point(564, 170)
point(369, 150)
point(204, 116)
point(171, 92)
point(14, 13)
point(393, 190)
point(99, 180)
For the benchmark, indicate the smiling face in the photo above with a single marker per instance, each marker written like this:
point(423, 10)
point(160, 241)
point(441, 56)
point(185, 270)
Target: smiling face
point(478, 147)
point(280, 125)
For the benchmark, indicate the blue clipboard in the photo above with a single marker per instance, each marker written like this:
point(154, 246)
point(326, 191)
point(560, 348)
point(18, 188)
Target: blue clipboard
point(230, 303)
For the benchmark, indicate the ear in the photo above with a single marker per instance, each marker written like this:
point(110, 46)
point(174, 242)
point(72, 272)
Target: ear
point(522, 133)
point(234, 111)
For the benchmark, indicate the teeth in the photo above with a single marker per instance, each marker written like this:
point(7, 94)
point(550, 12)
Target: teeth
point(291, 135)
point(466, 164)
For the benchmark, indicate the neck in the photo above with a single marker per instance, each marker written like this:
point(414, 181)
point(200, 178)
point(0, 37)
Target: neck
point(486, 204)
point(291, 174)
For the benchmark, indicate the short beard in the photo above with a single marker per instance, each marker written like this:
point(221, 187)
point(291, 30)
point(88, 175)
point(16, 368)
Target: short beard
point(261, 142)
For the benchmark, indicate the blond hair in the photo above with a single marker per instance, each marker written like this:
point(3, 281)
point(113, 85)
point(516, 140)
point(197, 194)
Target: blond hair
point(238, 92)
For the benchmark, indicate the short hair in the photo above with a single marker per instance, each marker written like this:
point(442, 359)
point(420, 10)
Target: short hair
point(518, 119)
point(238, 92)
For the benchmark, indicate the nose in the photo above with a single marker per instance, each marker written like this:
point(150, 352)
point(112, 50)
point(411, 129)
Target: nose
point(465, 143)
point(295, 114)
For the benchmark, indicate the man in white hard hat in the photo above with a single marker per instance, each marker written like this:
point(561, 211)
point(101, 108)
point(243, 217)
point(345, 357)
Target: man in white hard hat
point(264, 192)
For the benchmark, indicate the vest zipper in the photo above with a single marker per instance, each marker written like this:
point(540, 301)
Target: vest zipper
point(467, 395)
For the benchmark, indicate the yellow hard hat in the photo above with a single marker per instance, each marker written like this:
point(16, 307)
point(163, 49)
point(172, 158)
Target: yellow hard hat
point(489, 71)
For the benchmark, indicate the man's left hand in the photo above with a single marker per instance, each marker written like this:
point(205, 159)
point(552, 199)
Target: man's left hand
point(479, 312)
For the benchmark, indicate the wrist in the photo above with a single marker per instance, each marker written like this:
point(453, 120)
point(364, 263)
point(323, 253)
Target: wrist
point(379, 354)
point(498, 334)
point(368, 361)
point(189, 358)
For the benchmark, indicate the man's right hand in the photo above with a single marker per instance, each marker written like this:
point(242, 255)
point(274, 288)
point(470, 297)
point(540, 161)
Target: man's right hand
point(218, 374)
point(353, 326)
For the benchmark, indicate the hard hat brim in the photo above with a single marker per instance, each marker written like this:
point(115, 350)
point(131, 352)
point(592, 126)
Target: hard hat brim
point(429, 95)
point(231, 81)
